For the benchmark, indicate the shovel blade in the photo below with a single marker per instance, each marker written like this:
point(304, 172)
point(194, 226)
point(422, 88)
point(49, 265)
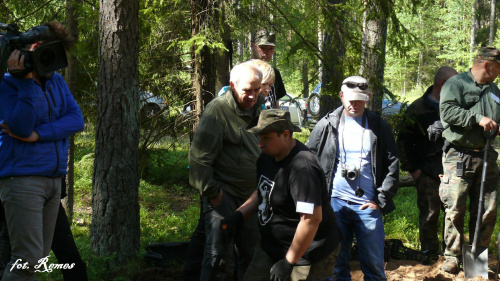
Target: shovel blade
point(475, 266)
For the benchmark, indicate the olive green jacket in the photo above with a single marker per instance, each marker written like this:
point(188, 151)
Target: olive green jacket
point(462, 105)
point(223, 155)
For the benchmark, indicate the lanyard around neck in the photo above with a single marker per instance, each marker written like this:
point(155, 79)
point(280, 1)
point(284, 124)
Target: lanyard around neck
point(342, 125)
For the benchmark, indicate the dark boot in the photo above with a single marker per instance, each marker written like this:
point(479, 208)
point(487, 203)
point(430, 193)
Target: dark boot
point(451, 265)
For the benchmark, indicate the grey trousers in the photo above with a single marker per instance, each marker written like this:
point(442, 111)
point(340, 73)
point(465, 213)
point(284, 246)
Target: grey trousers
point(31, 204)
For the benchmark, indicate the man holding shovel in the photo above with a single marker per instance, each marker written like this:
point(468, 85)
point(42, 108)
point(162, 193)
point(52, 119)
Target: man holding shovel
point(469, 106)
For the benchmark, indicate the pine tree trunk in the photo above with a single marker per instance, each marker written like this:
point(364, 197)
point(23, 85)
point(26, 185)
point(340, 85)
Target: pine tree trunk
point(474, 27)
point(492, 23)
point(115, 225)
point(320, 45)
point(203, 62)
point(373, 51)
point(224, 58)
point(333, 51)
point(305, 79)
point(71, 78)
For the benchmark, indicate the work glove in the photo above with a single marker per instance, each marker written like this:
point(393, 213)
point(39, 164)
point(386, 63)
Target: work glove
point(281, 270)
point(229, 224)
point(435, 131)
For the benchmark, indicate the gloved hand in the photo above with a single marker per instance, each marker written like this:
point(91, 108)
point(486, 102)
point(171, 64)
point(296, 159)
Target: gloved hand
point(435, 131)
point(281, 270)
point(229, 224)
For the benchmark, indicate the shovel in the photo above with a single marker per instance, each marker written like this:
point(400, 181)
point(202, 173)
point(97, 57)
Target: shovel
point(498, 254)
point(476, 258)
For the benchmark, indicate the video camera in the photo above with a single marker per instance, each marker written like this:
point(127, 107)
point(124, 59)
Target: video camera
point(45, 59)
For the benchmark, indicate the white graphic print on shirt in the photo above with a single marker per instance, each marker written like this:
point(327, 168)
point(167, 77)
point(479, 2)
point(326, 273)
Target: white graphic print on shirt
point(265, 187)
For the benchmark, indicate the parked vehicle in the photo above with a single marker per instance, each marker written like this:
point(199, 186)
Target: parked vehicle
point(390, 106)
point(296, 107)
point(150, 104)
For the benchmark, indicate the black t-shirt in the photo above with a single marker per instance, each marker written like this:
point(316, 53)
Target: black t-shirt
point(277, 91)
point(296, 183)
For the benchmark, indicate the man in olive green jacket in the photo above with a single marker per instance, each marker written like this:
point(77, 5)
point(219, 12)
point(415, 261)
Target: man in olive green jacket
point(222, 162)
point(469, 105)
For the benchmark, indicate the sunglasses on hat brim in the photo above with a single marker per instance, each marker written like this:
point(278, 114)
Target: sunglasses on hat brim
point(352, 85)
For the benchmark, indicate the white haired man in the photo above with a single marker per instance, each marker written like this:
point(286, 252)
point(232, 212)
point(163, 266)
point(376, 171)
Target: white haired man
point(222, 162)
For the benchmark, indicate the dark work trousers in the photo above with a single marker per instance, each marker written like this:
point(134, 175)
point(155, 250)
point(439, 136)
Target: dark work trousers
point(219, 248)
point(429, 206)
point(196, 250)
point(63, 246)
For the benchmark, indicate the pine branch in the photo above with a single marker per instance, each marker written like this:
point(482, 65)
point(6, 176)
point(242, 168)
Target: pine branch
point(34, 11)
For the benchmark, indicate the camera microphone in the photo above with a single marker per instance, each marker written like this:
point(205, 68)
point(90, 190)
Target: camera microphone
point(34, 34)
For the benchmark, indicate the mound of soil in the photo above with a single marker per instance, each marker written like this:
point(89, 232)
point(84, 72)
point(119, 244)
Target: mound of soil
point(396, 270)
point(405, 270)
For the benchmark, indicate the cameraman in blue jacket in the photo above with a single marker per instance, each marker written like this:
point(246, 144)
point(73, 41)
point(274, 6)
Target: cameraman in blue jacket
point(37, 116)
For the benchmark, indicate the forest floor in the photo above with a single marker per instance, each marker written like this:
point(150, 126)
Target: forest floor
point(396, 270)
point(405, 270)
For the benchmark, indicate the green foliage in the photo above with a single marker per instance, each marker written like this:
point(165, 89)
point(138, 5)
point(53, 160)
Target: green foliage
point(30, 13)
point(162, 61)
point(403, 223)
point(158, 160)
point(442, 31)
point(86, 53)
point(169, 211)
point(302, 136)
point(159, 222)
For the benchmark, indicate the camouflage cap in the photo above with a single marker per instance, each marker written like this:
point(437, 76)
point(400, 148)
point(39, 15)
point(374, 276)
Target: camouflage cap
point(488, 53)
point(265, 37)
point(272, 120)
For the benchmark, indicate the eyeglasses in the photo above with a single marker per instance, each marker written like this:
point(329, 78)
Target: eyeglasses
point(352, 85)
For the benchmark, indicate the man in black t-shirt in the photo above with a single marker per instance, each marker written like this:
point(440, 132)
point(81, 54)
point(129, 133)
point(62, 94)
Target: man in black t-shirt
point(263, 45)
point(300, 237)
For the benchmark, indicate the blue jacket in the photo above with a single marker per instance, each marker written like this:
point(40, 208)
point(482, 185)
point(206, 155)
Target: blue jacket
point(52, 113)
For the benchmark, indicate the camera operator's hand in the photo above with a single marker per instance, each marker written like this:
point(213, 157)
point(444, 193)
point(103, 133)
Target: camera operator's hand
point(16, 63)
point(34, 137)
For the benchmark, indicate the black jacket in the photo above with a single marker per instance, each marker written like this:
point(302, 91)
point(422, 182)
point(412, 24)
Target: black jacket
point(416, 151)
point(385, 163)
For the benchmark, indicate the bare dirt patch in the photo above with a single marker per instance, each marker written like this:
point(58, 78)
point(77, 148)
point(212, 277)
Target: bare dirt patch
point(396, 270)
point(179, 202)
point(405, 270)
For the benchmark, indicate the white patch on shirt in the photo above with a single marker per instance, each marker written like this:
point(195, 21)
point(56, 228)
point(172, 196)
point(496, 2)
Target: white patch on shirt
point(495, 98)
point(304, 207)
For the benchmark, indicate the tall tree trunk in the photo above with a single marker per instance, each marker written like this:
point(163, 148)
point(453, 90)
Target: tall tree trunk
point(475, 26)
point(305, 79)
point(373, 50)
point(492, 22)
point(224, 58)
point(70, 77)
point(333, 51)
point(204, 67)
point(115, 225)
point(320, 45)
